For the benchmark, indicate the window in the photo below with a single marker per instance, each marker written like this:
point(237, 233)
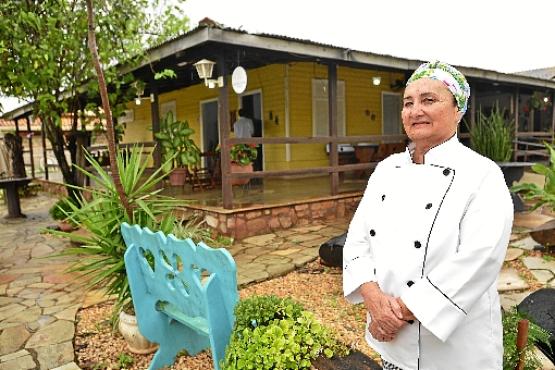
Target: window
point(320, 116)
point(168, 107)
point(391, 113)
point(128, 116)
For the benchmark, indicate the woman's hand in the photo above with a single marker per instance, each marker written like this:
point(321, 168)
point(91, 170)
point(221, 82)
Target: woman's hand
point(406, 313)
point(385, 311)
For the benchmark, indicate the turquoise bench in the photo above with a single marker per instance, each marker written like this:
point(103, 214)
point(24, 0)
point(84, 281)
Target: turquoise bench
point(184, 294)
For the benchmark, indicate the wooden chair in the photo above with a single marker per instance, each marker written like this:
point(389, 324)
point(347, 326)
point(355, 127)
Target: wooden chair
point(184, 294)
point(207, 177)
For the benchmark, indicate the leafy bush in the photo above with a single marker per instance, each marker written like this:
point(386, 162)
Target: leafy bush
point(261, 310)
point(277, 333)
point(61, 209)
point(510, 353)
point(492, 136)
point(545, 196)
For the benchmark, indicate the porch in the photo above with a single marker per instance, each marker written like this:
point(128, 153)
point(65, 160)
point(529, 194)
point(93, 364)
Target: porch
point(273, 204)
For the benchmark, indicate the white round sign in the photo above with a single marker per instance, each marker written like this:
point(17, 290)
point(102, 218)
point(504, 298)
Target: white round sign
point(239, 79)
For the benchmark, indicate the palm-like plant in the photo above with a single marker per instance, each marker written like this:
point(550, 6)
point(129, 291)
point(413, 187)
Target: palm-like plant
point(100, 212)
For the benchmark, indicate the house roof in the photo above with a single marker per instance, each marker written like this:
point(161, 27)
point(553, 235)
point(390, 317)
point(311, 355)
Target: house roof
point(210, 39)
point(544, 73)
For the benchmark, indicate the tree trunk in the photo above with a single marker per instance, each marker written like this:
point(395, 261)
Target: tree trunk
point(56, 137)
point(107, 111)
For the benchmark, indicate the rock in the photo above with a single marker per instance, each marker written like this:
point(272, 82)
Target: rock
point(538, 263)
point(70, 366)
point(513, 254)
point(512, 299)
point(260, 240)
point(27, 315)
point(544, 234)
point(527, 243)
point(55, 355)
point(509, 280)
point(13, 339)
point(543, 276)
point(21, 363)
point(55, 333)
point(68, 314)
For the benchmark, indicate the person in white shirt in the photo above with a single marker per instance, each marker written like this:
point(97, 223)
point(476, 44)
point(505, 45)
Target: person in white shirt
point(428, 239)
point(243, 127)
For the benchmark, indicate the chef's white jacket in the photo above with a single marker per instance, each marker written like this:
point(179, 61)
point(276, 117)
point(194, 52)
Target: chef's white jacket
point(434, 234)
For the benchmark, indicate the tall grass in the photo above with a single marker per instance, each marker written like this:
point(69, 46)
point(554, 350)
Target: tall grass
point(492, 135)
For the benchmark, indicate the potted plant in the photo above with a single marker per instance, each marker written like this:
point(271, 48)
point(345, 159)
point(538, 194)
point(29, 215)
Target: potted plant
point(180, 152)
point(542, 197)
point(242, 157)
point(492, 136)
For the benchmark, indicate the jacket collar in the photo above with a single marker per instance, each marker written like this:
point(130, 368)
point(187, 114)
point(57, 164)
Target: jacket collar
point(440, 155)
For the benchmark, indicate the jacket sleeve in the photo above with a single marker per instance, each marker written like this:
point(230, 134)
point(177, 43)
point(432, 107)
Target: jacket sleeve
point(442, 299)
point(358, 262)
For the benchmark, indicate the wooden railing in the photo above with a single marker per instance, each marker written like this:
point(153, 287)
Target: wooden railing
point(531, 144)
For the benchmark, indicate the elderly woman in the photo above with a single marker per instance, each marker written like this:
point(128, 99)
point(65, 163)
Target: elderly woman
point(429, 237)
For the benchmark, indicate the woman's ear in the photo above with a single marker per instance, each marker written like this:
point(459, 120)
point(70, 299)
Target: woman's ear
point(459, 116)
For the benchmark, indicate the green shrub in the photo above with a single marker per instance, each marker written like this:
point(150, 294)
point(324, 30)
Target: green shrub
point(61, 209)
point(510, 353)
point(261, 310)
point(277, 333)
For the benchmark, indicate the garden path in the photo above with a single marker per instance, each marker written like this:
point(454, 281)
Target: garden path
point(39, 301)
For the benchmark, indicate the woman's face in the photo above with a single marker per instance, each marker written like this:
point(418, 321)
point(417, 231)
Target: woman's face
point(429, 113)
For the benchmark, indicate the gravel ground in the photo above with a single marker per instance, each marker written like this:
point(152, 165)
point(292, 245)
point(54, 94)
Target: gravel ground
point(318, 288)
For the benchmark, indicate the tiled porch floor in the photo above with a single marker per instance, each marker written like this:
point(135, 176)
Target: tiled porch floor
point(270, 192)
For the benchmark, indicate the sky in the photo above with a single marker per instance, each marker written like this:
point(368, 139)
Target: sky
point(501, 35)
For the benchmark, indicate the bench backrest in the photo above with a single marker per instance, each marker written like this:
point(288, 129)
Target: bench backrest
point(194, 284)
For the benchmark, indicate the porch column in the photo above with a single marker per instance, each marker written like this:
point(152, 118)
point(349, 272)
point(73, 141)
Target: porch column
point(30, 141)
point(155, 116)
point(332, 113)
point(515, 147)
point(223, 118)
point(473, 109)
point(44, 155)
point(553, 116)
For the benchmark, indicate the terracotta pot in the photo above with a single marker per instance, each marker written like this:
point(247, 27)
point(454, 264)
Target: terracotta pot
point(65, 226)
point(240, 169)
point(544, 234)
point(129, 329)
point(177, 176)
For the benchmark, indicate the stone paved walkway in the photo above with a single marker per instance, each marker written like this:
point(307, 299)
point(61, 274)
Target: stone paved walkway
point(39, 302)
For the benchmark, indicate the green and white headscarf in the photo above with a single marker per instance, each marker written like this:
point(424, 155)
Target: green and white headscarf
point(450, 76)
